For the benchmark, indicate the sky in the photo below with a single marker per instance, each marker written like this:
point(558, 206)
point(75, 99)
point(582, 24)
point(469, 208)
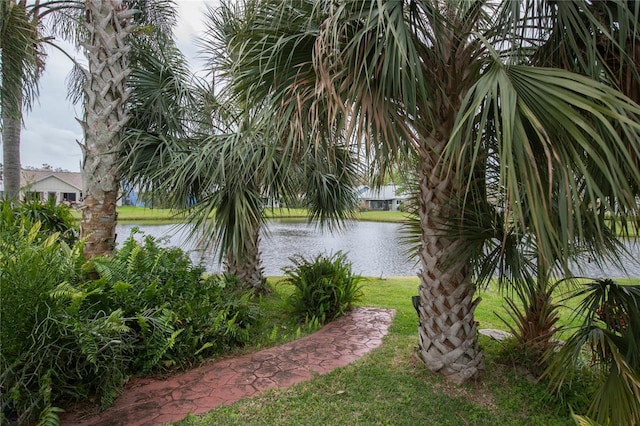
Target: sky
point(51, 131)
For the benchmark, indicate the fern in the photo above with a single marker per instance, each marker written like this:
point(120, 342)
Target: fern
point(89, 325)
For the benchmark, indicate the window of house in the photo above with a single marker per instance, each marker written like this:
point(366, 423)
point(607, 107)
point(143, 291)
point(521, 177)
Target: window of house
point(69, 196)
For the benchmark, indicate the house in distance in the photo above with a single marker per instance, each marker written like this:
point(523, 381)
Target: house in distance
point(387, 197)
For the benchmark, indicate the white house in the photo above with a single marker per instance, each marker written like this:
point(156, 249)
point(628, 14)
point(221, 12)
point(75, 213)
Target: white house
point(387, 197)
point(47, 184)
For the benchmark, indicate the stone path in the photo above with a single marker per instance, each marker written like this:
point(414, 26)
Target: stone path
point(148, 401)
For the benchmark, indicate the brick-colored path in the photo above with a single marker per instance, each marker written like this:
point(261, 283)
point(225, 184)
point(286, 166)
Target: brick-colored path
point(156, 402)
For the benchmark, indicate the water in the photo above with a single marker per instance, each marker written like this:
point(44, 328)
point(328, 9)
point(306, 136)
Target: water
point(374, 248)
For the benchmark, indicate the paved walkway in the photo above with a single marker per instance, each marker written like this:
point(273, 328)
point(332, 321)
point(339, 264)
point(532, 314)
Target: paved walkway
point(148, 401)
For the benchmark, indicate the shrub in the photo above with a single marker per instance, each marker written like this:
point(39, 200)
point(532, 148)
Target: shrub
point(188, 316)
point(68, 337)
point(325, 287)
point(52, 218)
point(533, 317)
point(363, 207)
point(49, 352)
point(610, 334)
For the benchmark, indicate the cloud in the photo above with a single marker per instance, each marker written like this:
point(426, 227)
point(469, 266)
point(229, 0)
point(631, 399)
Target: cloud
point(190, 28)
point(50, 128)
point(50, 144)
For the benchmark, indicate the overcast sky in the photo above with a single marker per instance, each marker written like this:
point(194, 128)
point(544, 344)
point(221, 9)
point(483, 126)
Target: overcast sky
point(51, 129)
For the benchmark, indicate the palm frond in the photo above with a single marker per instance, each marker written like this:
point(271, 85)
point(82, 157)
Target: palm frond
point(20, 57)
point(567, 141)
point(610, 331)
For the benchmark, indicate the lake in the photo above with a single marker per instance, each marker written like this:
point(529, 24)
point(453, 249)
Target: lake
point(374, 248)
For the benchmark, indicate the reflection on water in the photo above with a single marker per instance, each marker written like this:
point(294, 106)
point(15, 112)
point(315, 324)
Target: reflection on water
point(374, 248)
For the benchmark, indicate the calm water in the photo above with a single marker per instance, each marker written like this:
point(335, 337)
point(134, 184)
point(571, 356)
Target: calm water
point(374, 248)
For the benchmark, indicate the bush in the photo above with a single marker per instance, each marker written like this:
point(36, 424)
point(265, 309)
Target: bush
point(68, 337)
point(53, 219)
point(610, 334)
point(325, 287)
point(363, 207)
point(191, 316)
point(49, 352)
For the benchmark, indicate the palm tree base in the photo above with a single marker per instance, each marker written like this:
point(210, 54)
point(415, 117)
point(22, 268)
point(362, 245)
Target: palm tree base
point(448, 332)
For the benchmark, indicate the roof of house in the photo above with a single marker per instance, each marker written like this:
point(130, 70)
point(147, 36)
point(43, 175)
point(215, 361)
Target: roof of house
point(386, 192)
point(33, 176)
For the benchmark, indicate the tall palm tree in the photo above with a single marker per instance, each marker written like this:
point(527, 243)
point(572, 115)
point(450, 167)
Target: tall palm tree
point(109, 25)
point(215, 159)
point(21, 66)
point(25, 29)
point(454, 84)
point(611, 58)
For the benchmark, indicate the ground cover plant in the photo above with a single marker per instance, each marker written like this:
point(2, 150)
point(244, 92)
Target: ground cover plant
point(197, 315)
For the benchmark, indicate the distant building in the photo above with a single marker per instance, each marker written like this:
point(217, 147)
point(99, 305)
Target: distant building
point(387, 197)
point(63, 187)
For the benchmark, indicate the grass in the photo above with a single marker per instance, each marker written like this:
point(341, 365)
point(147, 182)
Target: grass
point(144, 214)
point(131, 213)
point(389, 386)
point(382, 216)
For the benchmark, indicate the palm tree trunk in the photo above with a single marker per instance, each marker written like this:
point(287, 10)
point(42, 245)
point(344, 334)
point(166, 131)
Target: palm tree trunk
point(11, 119)
point(105, 90)
point(248, 268)
point(447, 329)
point(11, 154)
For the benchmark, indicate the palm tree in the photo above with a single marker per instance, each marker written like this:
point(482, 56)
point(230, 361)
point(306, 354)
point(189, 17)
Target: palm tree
point(223, 169)
point(455, 85)
point(611, 59)
point(109, 25)
point(21, 67)
point(25, 29)
point(214, 159)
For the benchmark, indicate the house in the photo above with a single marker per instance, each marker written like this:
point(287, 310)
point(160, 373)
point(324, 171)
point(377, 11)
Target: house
point(387, 197)
point(47, 184)
point(62, 186)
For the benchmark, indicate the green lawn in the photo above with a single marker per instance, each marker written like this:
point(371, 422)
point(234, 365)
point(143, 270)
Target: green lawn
point(382, 216)
point(130, 213)
point(389, 386)
point(148, 215)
